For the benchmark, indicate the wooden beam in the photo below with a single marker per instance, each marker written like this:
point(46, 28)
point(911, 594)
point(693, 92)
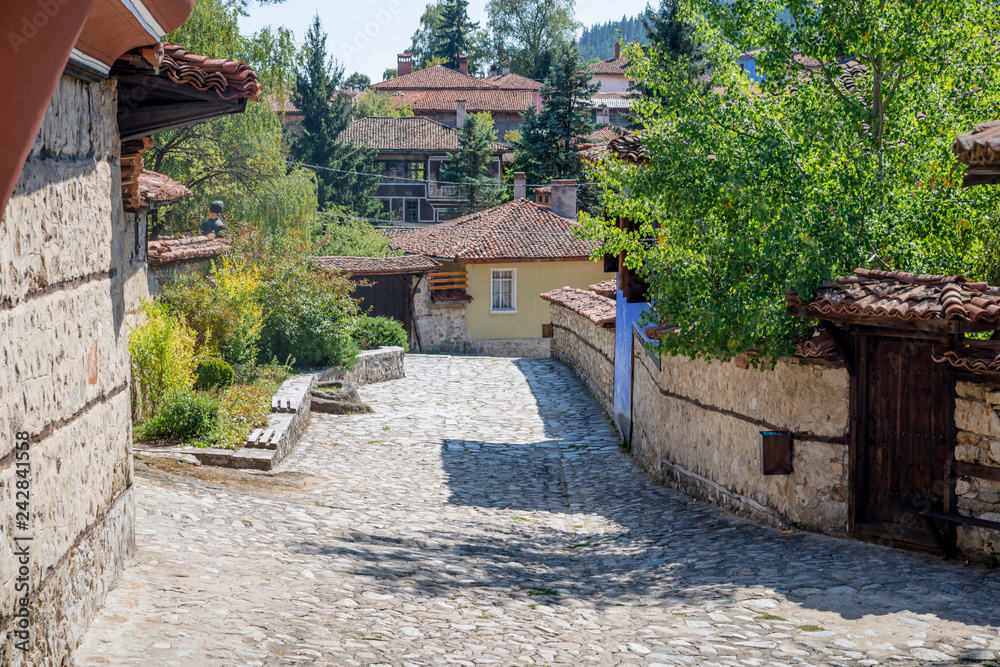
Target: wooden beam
point(846, 351)
point(977, 471)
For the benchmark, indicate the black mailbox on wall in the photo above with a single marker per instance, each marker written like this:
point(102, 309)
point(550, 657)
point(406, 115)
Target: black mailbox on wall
point(776, 453)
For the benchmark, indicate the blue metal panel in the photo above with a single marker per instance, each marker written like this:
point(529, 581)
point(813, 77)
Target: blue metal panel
point(626, 317)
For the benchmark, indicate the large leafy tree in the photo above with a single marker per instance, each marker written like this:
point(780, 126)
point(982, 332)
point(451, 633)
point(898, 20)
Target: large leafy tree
point(470, 166)
point(550, 137)
point(529, 33)
point(236, 159)
point(346, 173)
point(839, 159)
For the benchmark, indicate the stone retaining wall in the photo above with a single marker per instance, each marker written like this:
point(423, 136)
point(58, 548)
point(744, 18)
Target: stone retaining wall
point(67, 271)
point(977, 422)
point(696, 425)
point(589, 350)
point(381, 365)
point(442, 326)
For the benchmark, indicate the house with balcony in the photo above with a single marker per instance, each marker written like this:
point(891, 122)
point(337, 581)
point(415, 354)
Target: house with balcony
point(412, 154)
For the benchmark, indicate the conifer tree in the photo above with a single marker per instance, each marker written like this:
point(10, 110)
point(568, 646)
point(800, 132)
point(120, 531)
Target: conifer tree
point(470, 166)
point(326, 114)
point(454, 32)
point(673, 37)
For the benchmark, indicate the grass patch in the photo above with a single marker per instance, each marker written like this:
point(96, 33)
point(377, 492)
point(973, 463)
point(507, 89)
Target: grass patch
point(811, 628)
point(542, 591)
point(769, 617)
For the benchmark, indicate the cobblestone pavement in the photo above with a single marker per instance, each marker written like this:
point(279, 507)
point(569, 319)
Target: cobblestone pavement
point(483, 514)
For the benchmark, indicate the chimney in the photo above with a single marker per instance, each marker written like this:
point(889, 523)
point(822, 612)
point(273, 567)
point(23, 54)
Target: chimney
point(618, 50)
point(564, 197)
point(460, 114)
point(506, 67)
point(404, 64)
point(520, 185)
point(463, 64)
point(603, 115)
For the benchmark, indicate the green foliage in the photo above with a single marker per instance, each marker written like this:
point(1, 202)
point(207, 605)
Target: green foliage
point(183, 415)
point(671, 35)
point(374, 103)
point(470, 166)
point(326, 114)
point(162, 352)
point(597, 42)
point(753, 190)
point(308, 316)
point(529, 33)
point(213, 373)
point(454, 33)
point(374, 332)
point(344, 236)
point(359, 81)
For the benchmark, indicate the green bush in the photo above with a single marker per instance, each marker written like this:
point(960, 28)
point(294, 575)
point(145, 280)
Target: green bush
point(161, 349)
point(374, 332)
point(182, 415)
point(213, 373)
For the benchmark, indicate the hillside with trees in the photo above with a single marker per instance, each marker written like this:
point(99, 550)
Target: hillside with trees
point(597, 41)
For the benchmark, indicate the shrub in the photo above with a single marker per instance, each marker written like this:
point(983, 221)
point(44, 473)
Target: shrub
point(182, 415)
point(213, 373)
point(373, 332)
point(161, 349)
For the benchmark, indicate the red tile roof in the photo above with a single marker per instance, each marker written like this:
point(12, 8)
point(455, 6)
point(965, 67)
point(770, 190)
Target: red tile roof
point(977, 357)
point(230, 79)
point(979, 147)
point(168, 250)
point(607, 288)
point(513, 82)
point(383, 133)
point(450, 296)
point(377, 266)
point(604, 133)
point(159, 190)
point(598, 309)
point(629, 148)
point(494, 100)
point(904, 296)
point(436, 77)
point(609, 66)
point(822, 346)
point(519, 230)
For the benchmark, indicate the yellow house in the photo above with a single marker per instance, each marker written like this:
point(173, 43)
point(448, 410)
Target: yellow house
point(495, 264)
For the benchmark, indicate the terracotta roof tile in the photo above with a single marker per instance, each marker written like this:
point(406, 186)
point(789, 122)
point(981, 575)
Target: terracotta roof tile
point(979, 147)
point(629, 148)
point(168, 250)
point(604, 133)
point(607, 288)
point(383, 133)
point(513, 82)
point(494, 100)
point(818, 347)
point(230, 79)
point(159, 190)
point(376, 266)
point(515, 231)
point(977, 357)
point(905, 296)
point(610, 66)
point(598, 309)
point(450, 296)
point(436, 77)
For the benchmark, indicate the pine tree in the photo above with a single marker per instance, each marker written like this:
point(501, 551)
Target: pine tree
point(470, 166)
point(326, 112)
point(454, 32)
point(671, 36)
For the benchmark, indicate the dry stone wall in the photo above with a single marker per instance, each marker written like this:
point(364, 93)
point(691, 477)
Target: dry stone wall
point(442, 326)
point(977, 422)
point(696, 425)
point(589, 350)
point(66, 263)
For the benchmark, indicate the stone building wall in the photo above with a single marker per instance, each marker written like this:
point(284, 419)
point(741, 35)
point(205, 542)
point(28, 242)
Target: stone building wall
point(589, 350)
point(442, 326)
point(977, 423)
point(67, 276)
point(697, 427)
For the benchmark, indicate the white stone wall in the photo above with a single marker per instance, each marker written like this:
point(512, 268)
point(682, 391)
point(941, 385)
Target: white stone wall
point(589, 350)
point(68, 280)
point(534, 348)
point(697, 426)
point(977, 423)
point(442, 326)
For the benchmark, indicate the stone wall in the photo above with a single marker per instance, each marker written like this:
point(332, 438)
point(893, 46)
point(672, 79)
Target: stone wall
point(534, 348)
point(442, 326)
point(159, 276)
point(68, 273)
point(697, 427)
point(589, 350)
point(977, 422)
point(381, 365)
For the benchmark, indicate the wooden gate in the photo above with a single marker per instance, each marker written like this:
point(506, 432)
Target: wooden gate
point(387, 296)
point(902, 438)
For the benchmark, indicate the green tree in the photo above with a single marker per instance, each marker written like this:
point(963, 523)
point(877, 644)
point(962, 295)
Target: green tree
point(346, 173)
point(374, 103)
point(470, 166)
point(597, 42)
point(359, 81)
point(831, 163)
point(528, 33)
point(424, 43)
point(455, 33)
point(342, 235)
point(670, 33)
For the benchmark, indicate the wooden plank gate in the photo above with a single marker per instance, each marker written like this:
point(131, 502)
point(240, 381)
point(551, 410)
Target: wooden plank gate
point(387, 296)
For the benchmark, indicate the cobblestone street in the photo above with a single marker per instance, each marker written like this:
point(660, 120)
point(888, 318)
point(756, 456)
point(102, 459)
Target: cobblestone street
point(484, 514)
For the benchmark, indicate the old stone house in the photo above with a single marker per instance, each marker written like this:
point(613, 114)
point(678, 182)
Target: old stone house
point(412, 154)
point(495, 263)
point(72, 271)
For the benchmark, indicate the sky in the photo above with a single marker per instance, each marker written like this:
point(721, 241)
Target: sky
point(366, 35)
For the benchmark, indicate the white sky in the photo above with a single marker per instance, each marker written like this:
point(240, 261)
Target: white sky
point(366, 35)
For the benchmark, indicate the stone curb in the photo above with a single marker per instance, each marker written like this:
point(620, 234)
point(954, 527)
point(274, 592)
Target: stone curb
point(266, 447)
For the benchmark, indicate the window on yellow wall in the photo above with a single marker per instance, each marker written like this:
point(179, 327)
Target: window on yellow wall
point(503, 291)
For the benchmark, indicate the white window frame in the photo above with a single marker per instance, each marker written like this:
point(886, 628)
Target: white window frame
point(513, 291)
